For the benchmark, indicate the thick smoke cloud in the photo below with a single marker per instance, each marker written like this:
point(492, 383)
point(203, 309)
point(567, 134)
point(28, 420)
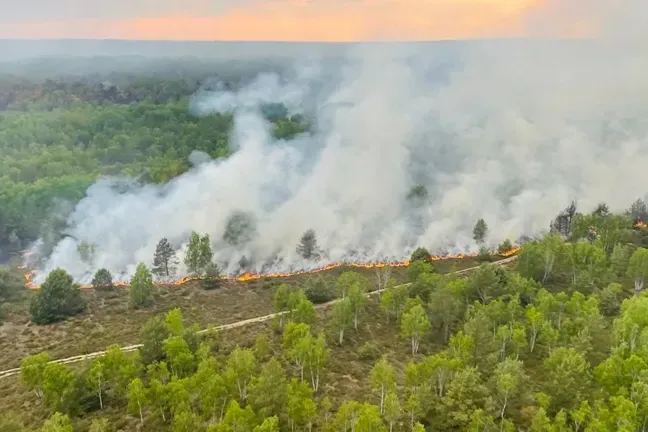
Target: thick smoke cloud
point(507, 131)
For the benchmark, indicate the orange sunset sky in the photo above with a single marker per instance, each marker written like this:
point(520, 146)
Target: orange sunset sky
point(286, 20)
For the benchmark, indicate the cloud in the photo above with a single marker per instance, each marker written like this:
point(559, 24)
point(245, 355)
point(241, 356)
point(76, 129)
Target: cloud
point(289, 20)
point(46, 10)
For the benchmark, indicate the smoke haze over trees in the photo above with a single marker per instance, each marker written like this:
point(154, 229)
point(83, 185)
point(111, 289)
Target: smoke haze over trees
point(508, 131)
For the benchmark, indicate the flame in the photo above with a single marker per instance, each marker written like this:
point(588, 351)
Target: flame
point(245, 277)
point(640, 224)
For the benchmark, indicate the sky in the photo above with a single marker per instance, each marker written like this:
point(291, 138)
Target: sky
point(285, 20)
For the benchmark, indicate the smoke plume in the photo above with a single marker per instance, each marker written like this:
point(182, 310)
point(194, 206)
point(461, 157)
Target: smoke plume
point(508, 131)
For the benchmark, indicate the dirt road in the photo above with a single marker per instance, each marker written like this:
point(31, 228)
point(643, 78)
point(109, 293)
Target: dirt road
point(129, 348)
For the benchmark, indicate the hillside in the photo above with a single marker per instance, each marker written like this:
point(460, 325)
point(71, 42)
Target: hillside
point(543, 344)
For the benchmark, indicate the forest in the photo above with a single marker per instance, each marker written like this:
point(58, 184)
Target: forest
point(58, 136)
point(551, 342)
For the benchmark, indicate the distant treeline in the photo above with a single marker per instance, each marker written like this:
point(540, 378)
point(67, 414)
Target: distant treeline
point(58, 136)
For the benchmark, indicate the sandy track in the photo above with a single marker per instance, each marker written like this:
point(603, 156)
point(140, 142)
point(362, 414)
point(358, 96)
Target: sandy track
point(130, 348)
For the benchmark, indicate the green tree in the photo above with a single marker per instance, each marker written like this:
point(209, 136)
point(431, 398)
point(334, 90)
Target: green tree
point(280, 300)
point(236, 419)
point(301, 409)
point(58, 386)
point(241, 366)
point(307, 247)
point(358, 302)
point(270, 424)
point(420, 254)
point(164, 260)
point(369, 419)
point(58, 298)
point(32, 371)
point(141, 287)
point(383, 379)
point(392, 409)
point(414, 325)
point(240, 229)
point(465, 394)
point(212, 279)
point(267, 393)
point(509, 379)
point(317, 360)
point(137, 398)
point(153, 335)
point(638, 268)
point(199, 253)
point(87, 251)
point(180, 357)
point(102, 280)
point(301, 309)
point(57, 423)
point(566, 372)
point(342, 319)
point(620, 259)
point(446, 306)
point(185, 421)
point(480, 231)
point(349, 279)
point(96, 378)
point(393, 301)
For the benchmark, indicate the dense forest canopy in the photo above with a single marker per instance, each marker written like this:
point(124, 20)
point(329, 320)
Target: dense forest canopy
point(57, 136)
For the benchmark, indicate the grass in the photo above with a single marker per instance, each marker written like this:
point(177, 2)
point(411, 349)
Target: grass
point(109, 320)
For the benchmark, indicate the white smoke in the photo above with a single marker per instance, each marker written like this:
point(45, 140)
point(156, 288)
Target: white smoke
point(507, 131)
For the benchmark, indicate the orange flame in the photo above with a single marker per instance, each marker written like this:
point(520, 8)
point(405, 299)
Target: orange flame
point(640, 224)
point(245, 277)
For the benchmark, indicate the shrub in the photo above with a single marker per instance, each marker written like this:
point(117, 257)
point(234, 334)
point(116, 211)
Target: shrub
point(369, 351)
point(212, 278)
point(420, 254)
point(58, 298)
point(102, 280)
point(505, 246)
point(318, 290)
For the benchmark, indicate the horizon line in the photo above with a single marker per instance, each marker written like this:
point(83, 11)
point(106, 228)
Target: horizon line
point(395, 41)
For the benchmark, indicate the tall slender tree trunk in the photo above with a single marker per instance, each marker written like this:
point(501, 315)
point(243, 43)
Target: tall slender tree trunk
point(139, 405)
point(100, 396)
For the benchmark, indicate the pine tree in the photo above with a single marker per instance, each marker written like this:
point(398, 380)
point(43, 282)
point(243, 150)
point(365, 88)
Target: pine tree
point(165, 260)
point(480, 231)
point(307, 246)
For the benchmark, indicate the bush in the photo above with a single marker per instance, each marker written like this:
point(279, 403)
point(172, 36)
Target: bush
point(212, 278)
point(58, 298)
point(420, 254)
point(102, 280)
point(505, 246)
point(369, 351)
point(484, 254)
point(318, 290)
point(417, 268)
point(12, 284)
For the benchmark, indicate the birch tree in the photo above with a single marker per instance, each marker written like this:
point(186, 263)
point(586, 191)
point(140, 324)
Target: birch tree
point(137, 395)
point(638, 268)
point(382, 379)
point(414, 325)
